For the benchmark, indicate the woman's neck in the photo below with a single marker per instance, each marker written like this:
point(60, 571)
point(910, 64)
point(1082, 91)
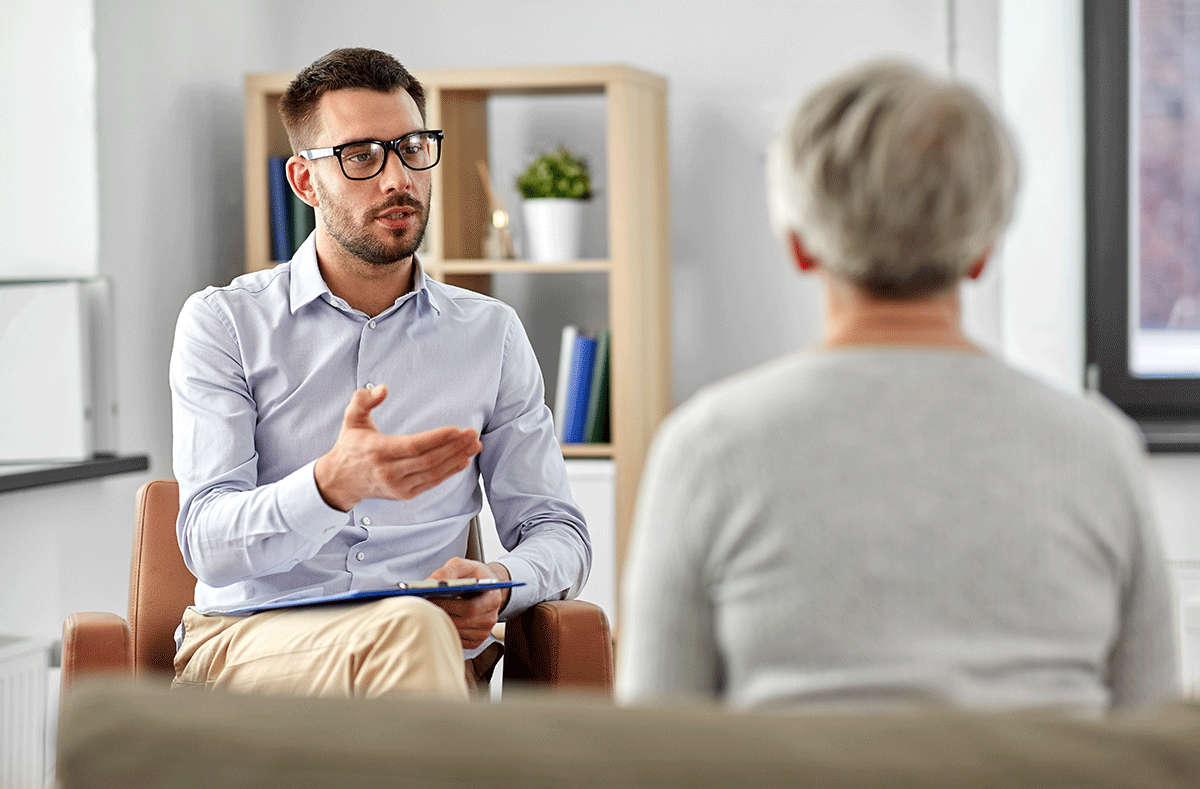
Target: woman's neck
point(854, 318)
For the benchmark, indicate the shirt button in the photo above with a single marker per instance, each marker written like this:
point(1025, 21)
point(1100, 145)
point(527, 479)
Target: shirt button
point(368, 385)
point(360, 556)
point(371, 324)
point(366, 521)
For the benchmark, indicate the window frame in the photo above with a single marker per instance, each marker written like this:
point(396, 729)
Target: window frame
point(1168, 409)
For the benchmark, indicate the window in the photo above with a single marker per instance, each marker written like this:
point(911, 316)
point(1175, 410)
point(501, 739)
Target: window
point(1142, 83)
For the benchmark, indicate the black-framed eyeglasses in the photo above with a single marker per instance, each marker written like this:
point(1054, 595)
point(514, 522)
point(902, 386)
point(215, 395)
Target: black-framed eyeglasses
point(362, 160)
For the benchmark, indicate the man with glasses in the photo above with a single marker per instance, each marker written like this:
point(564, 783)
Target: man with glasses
point(333, 417)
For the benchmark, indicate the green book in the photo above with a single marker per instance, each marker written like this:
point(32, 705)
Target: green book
point(304, 219)
point(597, 425)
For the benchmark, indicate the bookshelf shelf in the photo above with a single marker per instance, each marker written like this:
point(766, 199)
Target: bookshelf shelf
point(587, 450)
point(629, 282)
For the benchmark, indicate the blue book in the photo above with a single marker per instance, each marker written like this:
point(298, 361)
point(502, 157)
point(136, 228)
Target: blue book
point(281, 212)
point(579, 389)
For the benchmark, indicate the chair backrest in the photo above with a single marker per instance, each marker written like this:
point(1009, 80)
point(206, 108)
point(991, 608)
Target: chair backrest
point(475, 542)
point(160, 584)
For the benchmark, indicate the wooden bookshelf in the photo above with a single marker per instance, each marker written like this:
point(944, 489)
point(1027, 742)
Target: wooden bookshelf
point(636, 269)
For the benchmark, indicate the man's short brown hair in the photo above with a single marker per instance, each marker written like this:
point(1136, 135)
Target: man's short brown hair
point(340, 69)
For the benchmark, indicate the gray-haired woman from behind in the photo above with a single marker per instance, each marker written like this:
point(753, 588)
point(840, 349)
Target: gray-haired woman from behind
point(895, 517)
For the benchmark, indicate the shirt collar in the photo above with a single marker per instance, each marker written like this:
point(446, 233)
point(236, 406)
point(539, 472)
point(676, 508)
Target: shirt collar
point(421, 285)
point(308, 285)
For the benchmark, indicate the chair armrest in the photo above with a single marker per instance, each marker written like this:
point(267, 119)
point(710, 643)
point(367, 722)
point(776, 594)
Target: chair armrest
point(561, 643)
point(95, 642)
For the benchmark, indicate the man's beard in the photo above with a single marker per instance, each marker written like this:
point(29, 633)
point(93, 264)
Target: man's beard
point(358, 240)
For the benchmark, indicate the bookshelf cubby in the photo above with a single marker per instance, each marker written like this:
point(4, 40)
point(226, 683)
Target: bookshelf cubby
point(633, 271)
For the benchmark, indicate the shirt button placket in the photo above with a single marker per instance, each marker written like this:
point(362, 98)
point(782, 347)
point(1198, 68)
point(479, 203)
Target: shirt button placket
point(361, 555)
point(366, 344)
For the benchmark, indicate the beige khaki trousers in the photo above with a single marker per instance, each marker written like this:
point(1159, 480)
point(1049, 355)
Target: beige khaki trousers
point(388, 647)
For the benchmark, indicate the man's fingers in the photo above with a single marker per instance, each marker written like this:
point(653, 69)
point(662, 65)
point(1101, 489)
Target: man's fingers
point(472, 640)
point(358, 411)
point(431, 440)
point(412, 485)
point(449, 451)
point(428, 448)
point(459, 567)
point(473, 626)
point(465, 607)
point(443, 462)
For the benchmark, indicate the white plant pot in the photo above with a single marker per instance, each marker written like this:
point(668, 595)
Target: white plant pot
point(553, 229)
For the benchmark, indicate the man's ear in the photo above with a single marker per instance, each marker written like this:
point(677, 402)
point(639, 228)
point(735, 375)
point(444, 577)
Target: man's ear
point(299, 175)
point(800, 254)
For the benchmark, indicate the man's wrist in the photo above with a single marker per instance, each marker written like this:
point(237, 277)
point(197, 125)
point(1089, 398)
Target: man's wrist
point(501, 572)
point(323, 478)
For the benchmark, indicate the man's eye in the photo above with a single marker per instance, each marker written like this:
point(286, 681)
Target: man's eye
point(360, 154)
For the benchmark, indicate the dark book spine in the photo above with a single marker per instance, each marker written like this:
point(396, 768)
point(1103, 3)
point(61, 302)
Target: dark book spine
point(281, 220)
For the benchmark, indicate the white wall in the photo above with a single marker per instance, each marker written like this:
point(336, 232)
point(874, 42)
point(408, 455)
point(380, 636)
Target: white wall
point(169, 142)
point(48, 216)
point(1041, 87)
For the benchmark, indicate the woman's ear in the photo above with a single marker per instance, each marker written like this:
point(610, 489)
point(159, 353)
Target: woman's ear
point(800, 254)
point(977, 268)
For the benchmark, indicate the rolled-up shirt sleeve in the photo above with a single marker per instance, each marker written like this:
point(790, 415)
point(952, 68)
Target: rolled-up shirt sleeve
point(230, 528)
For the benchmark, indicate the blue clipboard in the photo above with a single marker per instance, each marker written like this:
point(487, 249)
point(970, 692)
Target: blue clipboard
point(461, 587)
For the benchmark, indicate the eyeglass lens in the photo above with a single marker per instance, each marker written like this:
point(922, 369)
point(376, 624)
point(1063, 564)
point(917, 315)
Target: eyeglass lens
point(366, 159)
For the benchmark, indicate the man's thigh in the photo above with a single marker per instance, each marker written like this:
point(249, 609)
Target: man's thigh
point(384, 647)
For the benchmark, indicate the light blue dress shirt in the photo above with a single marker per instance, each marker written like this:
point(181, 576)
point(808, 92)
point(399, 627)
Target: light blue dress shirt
point(261, 372)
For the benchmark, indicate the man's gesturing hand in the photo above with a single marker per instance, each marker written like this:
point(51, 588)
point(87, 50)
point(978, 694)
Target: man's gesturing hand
point(365, 463)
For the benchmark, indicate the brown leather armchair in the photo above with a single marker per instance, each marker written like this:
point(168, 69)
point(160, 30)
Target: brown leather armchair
point(561, 643)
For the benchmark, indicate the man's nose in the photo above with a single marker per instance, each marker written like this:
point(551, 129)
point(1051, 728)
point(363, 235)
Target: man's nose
point(395, 175)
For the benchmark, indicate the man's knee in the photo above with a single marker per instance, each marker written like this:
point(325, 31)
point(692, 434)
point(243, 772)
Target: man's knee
point(416, 614)
point(413, 646)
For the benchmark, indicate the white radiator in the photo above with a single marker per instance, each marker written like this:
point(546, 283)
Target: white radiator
point(24, 668)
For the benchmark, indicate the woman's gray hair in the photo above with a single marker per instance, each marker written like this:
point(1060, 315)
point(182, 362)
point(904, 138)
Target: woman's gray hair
point(894, 180)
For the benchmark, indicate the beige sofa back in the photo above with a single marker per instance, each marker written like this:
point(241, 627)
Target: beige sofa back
point(148, 738)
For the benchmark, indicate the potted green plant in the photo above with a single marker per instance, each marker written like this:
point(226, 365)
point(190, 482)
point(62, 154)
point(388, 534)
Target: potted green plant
point(555, 187)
